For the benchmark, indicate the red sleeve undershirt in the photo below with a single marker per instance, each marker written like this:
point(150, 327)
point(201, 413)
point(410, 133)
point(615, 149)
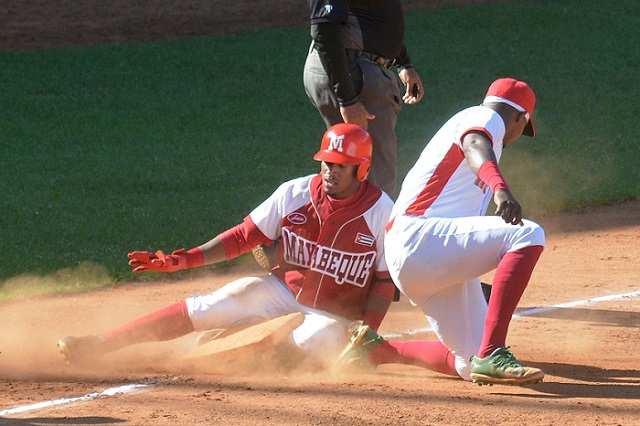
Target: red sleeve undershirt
point(242, 238)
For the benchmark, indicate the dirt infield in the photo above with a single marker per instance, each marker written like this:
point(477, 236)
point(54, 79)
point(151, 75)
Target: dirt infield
point(588, 350)
point(30, 24)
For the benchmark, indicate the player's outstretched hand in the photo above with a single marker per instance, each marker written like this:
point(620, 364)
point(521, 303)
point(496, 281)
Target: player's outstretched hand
point(508, 207)
point(158, 261)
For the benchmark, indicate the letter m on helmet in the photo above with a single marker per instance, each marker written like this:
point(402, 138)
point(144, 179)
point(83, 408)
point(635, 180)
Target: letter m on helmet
point(335, 142)
point(346, 143)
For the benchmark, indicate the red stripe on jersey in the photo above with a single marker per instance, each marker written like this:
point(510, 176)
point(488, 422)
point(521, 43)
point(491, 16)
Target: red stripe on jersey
point(437, 182)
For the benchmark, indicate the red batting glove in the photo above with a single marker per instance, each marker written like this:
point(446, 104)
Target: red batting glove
point(158, 261)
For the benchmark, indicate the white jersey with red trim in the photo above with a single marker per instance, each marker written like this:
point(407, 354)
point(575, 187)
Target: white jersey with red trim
point(441, 184)
point(439, 241)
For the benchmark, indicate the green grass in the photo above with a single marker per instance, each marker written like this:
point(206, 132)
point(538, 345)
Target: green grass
point(84, 277)
point(581, 59)
point(105, 150)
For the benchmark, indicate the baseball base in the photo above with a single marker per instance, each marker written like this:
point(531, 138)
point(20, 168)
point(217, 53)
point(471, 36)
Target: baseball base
point(250, 340)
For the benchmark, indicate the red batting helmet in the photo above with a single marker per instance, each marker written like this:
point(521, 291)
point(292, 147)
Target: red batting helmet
point(346, 143)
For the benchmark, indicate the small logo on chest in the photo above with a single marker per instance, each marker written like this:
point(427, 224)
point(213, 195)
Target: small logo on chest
point(297, 218)
point(364, 240)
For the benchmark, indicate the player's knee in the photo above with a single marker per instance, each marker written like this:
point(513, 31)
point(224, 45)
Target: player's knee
point(538, 237)
point(324, 343)
point(529, 234)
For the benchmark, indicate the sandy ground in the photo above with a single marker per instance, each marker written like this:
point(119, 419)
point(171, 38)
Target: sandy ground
point(31, 24)
point(588, 350)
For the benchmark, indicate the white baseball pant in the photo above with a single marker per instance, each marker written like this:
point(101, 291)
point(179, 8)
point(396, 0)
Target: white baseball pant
point(253, 300)
point(437, 264)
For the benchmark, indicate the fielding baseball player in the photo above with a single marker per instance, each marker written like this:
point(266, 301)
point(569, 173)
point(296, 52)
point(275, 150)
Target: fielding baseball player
point(439, 242)
point(331, 267)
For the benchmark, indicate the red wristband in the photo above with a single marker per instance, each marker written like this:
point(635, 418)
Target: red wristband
point(195, 258)
point(490, 174)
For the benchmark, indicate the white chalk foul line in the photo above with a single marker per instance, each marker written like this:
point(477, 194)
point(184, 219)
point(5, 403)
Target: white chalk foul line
point(534, 311)
point(107, 392)
point(578, 303)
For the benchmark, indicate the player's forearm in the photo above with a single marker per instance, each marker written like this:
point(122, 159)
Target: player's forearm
point(375, 311)
point(213, 251)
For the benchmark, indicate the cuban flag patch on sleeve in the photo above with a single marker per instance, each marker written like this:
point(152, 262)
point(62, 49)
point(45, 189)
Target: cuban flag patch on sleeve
point(364, 240)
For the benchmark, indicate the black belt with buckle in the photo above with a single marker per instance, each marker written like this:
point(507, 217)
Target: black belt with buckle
point(373, 58)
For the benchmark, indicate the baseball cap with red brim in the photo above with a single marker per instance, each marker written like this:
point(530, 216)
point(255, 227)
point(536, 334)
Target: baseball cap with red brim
point(517, 94)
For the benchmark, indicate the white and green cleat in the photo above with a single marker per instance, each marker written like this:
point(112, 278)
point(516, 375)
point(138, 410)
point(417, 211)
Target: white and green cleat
point(502, 368)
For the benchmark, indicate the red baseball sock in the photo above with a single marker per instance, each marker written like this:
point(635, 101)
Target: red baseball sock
point(509, 282)
point(429, 354)
point(166, 324)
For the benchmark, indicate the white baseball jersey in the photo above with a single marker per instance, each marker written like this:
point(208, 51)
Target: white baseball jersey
point(441, 184)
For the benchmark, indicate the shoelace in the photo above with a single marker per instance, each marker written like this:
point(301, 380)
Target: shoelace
point(507, 359)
